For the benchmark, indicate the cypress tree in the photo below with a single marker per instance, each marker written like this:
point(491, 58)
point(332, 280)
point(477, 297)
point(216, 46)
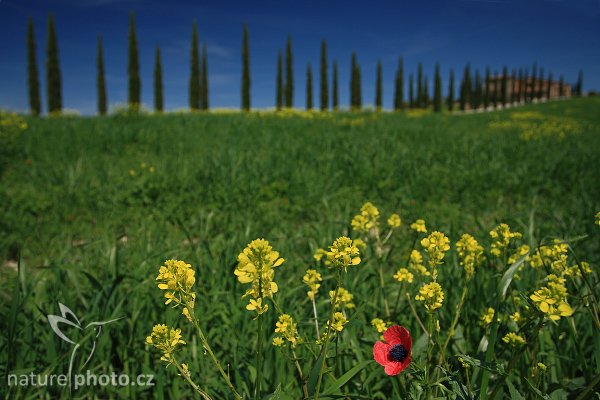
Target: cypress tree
point(513, 91)
point(158, 83)
point(279, 92)
point(504, 87)
point(53, 75)
point(411, 90)
point(399, 87)
point(353, 91)
point(33, 81)
point(425, 92)
point(323, 79)
point(100, 82)
point(488, 90)
point(437, 91)
point(194, 83)
point(379, 88)
point(478, 95)
point(496, 92)
point(451, 91)
point(519, 82)
point(540, 91)
point(579, 86)
point(204, 81)
point(289, 75)
point(533, 86)
point(309, 88)
point(549, 87)
point(335, 95)
point(358, 87)
point(561, 89)
point(465, 89)
point(525, 85)
point(419, 100)
point(135, 85)
point(245, 71)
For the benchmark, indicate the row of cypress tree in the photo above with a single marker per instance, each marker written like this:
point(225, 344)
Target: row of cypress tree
point(475, 92)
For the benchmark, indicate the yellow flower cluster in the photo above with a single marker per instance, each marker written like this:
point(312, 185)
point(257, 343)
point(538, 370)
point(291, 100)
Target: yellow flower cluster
point(338, 322)
point(419, 226)
point(470, 254)
point(415, 263)
point(403, 275)
point(166, 340)
point(256, 266)
point(343, 299)
point(286, 327)
point(380, 325)
point(394, 221)
point(513, 339)
point(523, 250)
point(551, 299)
point(177, 278)
point(343, 253)
point(367, 219)
point(319, 254)
point(436, 245)
point(487, 317)
point(312, 279)
point(502, 236)
point(432, 295)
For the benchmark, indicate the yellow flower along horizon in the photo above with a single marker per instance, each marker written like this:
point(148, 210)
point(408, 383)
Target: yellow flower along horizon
point(256, 265)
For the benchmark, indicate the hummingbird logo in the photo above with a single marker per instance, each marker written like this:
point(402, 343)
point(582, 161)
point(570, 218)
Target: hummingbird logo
point(67, 321)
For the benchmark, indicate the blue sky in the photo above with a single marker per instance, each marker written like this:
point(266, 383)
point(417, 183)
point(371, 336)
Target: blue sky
point(561, 36)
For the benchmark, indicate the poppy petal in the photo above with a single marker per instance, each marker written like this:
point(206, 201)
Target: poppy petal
point(393, 368)
point(398, 335)
point(380, 353)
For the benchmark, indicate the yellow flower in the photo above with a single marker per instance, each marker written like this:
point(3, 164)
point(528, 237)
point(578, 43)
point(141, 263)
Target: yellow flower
point(379, 325)
point(516, 317)
point(394, 221)
point(404, 275)
point(286, 327)
point(319, 254)
point(367, 219)
point(177, 279)
point(523, 250)
point(256, 266)
point(277, 341)
point(166, 340)
point(362, 246)
point(487, 317)
point(343, 253)
point(415, 263)
point(436, 245)
point(312, 279)
point(542, 367)
point(470, 254)
point(502, 237)
point(338, 322)
point(419, 226)
point(432, 295)
point(513, 339)
point(598, 218)
point(343, 299)
point(551, 299)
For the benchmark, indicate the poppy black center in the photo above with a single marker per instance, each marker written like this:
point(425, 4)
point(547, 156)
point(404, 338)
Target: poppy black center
point(398, 353)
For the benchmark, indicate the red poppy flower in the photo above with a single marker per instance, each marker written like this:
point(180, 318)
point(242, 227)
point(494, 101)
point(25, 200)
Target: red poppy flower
point(395, 354)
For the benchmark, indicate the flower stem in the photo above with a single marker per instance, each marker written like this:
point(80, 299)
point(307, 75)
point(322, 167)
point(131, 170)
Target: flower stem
point(186, 376)
point(259, 343)
point(302, 381)
point(453, 326)
point(429, 348)
point(314, 304)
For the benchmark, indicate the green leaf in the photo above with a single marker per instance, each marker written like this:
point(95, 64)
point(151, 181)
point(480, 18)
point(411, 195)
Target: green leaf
point(314, 375)
point(276, 394)
point(509, 275)
point(342, 380)
point(514, 393)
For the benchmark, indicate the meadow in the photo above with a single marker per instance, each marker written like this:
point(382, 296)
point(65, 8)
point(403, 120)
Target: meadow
point(92, 207)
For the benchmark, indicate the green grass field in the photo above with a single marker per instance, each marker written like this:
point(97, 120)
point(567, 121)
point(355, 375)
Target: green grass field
point(92, 207)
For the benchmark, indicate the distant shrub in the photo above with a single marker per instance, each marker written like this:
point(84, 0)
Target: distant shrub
point(11, 127)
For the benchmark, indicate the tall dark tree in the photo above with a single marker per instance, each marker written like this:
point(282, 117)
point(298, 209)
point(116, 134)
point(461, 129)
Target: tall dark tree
point(496, 92)
point(561, 86)
point(358, 87)
point(549, 87)
point(33, 81)
point(504, 87)
point(194, 84)
point(323, 78)
point(335, 89)
point(133, 67)
point(411, 91)
point(53, 75)
point(478, 94)
point(353, 83)
point(487, 94)
point(399, 87)
point(425, 92)
point(466, 89)
point(245, 71)
point(204, 81)
point(533, 84)
point(540, 88)
point(513, 91)
point(158, 83)
point(579, 85)
point(279, 91)
point(525, 85)
point(309, 88)
point(100, 82)
point(451, 91)
point(419, 101)
point(289, 75)
point(519, 86)
point(379, 88)
point(437, 91)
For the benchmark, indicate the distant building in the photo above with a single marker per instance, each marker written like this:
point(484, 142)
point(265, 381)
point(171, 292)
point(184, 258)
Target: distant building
point(540, 93)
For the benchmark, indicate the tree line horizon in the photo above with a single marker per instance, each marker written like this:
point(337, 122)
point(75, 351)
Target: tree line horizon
point(491, 90)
